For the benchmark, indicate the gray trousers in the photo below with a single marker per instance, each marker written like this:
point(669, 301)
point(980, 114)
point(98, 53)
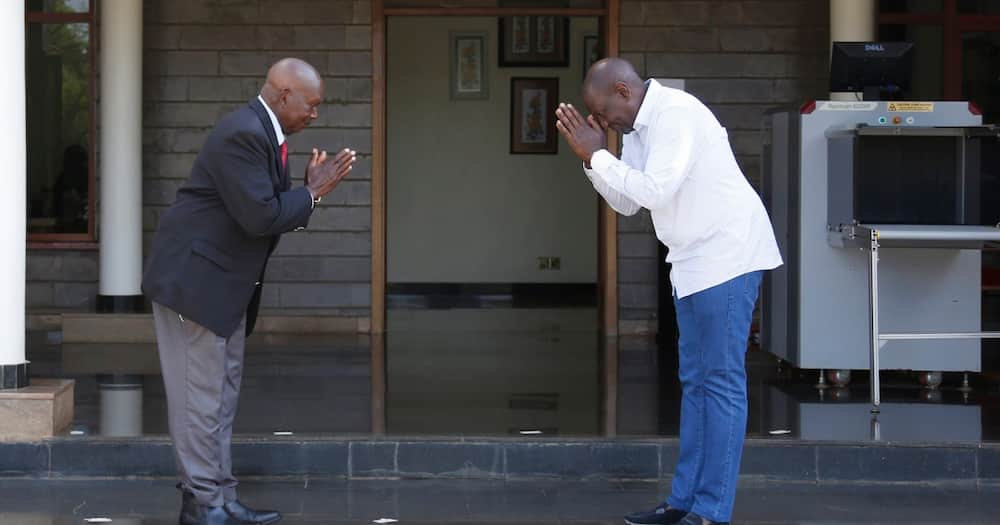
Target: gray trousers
point(202, 374)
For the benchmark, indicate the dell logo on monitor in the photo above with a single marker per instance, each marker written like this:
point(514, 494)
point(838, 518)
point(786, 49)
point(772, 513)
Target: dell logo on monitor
point(874, 47)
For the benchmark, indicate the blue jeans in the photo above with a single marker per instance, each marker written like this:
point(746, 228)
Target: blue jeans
point(714, 326)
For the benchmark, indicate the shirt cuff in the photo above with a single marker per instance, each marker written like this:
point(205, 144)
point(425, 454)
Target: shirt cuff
point(601, 161)
point(312, 198)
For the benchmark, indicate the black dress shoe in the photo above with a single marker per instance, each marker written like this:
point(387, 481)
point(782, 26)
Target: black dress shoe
point(210, 516)
point(258, 517)
point(694, 519)
point(661, 515)
point(189, 506)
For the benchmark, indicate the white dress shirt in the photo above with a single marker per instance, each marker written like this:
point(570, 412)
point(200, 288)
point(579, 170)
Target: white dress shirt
point(678, 164)
point(274, 122)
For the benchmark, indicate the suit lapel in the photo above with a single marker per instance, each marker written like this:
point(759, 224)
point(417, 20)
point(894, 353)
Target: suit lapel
point(282, 182)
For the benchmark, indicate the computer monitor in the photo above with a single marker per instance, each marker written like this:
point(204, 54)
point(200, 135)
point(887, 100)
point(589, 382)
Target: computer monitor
point(880, 70)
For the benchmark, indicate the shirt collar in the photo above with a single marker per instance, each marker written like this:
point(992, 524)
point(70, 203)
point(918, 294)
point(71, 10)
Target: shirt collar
point(274, 121)
point(645, 115)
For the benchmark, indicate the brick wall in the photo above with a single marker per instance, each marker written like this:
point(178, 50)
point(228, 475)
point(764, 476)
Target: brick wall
point(739, 57)
point(60, 280)
point(205, 58)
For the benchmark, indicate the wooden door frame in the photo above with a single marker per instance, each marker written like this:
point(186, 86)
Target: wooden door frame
point(75, 241)
point(607, 221)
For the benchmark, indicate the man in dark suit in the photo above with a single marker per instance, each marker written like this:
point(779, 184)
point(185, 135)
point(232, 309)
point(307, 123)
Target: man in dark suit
point(206, 269)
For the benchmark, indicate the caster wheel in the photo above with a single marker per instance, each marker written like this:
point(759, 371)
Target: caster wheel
point(839, 378)
point(931, 380)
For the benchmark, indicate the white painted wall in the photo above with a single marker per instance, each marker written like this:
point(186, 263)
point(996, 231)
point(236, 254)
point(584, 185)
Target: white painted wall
point(460, 207)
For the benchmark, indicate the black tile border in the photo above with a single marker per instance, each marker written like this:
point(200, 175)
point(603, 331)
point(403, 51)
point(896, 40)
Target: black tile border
point(896, 464)
point(450, 460)
point(117, 458)
point(360, 457)
point(23, 459)
point(583, 460)
point(13, 377)
point(373, 459)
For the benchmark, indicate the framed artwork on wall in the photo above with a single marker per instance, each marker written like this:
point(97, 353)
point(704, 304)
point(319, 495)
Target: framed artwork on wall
point(534, 41)
point(469, 75)
point(532, 115)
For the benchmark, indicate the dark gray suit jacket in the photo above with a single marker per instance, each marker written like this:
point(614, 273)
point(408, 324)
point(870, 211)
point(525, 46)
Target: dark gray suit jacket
point(211, 248)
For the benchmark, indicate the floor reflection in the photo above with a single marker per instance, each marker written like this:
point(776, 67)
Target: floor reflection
point(501, 372)
point(843, 414)
point(489, 372)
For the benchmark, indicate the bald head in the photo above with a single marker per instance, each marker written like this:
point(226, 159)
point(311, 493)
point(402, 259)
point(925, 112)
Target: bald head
point(293, 90)
point(604, 74)
point(613, 93)
point(291, 73)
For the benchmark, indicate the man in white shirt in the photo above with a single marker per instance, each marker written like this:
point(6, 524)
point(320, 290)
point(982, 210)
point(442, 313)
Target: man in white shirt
point(677, 163)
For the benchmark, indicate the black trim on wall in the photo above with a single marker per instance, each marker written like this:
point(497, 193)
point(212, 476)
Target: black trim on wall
point(120, 304)
point(491, 295)
point(13, 377)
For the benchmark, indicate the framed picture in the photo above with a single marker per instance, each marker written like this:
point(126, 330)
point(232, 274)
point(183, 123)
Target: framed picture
point(591, 52)
point(534, 41)
point(468, 77)
point(533, 104)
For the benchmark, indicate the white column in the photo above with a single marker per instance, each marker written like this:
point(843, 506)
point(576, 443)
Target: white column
point(13, 144)
point(851, 21)
point(121, 148)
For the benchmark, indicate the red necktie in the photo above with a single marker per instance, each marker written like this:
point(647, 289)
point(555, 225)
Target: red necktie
point(284, 155)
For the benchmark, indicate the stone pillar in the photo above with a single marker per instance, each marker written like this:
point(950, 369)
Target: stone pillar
point(120, 156)
point(13, 226)
point(851, 21)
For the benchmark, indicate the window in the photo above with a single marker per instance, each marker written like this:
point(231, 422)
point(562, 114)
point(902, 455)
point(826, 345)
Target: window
point(979, 7)
point(59, 65)
point(981, 71)
point(956, 48)
point(910, 6)
point(928, 59)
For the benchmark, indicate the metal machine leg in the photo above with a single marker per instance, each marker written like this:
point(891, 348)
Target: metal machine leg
point(966, 388)
point(873, 295)
point(821, 382)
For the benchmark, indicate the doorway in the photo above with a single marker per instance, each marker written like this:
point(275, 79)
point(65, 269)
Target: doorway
point(478, 215)
point(488, 249)
point(604, 14)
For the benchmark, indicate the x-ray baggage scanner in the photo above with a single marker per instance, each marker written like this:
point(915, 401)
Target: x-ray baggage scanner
point(881, 210)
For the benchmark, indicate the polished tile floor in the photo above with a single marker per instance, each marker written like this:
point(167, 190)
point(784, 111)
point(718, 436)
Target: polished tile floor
point(29, 502)
point(501, 372)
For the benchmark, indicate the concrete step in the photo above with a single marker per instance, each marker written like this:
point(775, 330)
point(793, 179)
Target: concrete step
point(363, 457)
point(473, 502)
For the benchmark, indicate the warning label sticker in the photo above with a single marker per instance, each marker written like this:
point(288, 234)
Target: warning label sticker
point(911, 107)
